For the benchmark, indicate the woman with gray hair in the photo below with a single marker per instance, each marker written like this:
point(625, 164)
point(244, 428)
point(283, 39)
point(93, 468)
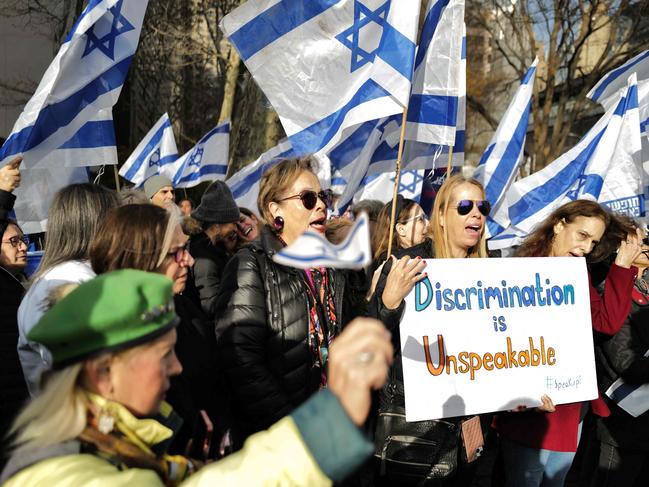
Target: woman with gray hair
point(73, 218)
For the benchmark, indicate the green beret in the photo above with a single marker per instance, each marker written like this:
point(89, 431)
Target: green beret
point(116, 310)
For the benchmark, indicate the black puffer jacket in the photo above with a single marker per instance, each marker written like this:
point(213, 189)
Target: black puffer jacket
point(262, 334)
point(623, 355)
point(208, 270)
point(13, 390)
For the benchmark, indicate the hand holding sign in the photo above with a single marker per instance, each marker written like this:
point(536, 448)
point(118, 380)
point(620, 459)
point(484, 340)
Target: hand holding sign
point(404, 274)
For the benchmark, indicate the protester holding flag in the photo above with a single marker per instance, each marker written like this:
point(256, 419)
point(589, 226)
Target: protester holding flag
point(112, 341)
point(623, 449)
point(539, 446)
point(275, 324)
point(73, 218)
point(411, 224)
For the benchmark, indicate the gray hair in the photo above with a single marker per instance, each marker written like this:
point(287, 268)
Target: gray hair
point(73, 219)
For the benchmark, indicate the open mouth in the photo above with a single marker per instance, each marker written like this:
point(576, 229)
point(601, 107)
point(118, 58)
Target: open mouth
point(247, 231)
point(318, 225)
point(473, 229)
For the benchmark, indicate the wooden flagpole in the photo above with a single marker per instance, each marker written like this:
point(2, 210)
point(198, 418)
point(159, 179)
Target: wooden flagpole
point(397, 178)
point(449, 164)
point(116, 177)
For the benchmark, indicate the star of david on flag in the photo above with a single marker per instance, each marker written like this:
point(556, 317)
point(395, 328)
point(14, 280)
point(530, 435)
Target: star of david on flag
point(196, 157)
point(361, 69)
point(84, 79)
point(206, 161)
point(106, 43)
point(351, 37)
point(408, 181)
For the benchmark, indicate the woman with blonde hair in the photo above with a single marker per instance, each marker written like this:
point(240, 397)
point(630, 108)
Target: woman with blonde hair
point(456, 230)
point(101, 419)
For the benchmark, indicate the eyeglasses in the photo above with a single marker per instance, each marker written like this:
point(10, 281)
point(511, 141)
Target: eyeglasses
point(15, 240)
point(179, 254)
point(464, 207)
point(310, 198)
point(421, 218)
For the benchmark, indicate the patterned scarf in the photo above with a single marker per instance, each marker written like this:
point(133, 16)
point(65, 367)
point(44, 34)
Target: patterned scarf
point(323, 322)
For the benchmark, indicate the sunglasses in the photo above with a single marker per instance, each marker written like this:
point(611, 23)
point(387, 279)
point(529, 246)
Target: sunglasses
point(464, 207)
point(15, 240)
point(310, 198)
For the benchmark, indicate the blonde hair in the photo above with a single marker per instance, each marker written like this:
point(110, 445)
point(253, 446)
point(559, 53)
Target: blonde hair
point(58, 414)
point(277, 180)
point(439, 233)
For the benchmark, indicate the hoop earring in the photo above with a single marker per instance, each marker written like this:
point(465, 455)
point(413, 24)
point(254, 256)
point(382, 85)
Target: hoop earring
point(278, 223)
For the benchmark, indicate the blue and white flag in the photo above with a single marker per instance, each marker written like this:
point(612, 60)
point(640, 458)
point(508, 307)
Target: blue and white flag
point(582, 172)
point(85, 77)
point(314, 250)
point(499, 164)
point(433, 107)
point(633, 398)
point(156, 150)
point(206, 161)
point(244, 184)
point(326, 65)
point(381, 186)
point(607, 92)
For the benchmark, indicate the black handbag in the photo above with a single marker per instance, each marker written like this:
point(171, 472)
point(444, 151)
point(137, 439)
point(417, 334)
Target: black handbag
point(414, 453)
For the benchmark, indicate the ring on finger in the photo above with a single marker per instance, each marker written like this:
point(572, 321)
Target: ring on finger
point(365, 357)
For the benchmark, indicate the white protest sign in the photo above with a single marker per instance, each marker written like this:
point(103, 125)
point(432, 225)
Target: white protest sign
point(507, 330)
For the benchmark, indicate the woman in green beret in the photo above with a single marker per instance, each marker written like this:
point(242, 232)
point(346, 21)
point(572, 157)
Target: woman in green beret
point(100, 419)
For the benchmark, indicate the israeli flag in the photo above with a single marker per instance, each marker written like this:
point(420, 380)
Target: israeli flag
point(433, 107)
point(314, 250)
point(156, 150)
point(85, 77)
point(206, 161)
point(581, 172)
point(608, 90)
point(381, 186)
point(326, 65)
point(244, 184)
point(499, 164)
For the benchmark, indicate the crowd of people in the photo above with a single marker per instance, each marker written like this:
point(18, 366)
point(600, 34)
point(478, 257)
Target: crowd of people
point(160, 343)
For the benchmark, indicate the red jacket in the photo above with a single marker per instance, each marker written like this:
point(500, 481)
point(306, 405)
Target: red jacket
point(557, 431)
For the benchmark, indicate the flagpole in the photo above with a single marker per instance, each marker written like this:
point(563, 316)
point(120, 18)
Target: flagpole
point(116, 177)
point(397, 178)
point(449, 163)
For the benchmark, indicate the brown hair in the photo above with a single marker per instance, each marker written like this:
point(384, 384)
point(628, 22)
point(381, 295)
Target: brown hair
point(132, 237)
point(336, 229)
point(72, 221)
point(439, 234)
point(381, 237)
point(539, 242)
point(277, 180)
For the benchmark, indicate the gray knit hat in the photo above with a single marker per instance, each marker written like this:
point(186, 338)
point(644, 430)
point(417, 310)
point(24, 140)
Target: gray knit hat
point(217, 205)
point(155, 184)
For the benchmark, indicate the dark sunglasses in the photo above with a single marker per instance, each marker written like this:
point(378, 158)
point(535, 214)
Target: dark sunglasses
point(464, 207)
point(310, 198)
point(15, 240)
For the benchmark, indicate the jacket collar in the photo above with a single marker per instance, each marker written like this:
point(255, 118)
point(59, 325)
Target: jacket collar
point(145, 432)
